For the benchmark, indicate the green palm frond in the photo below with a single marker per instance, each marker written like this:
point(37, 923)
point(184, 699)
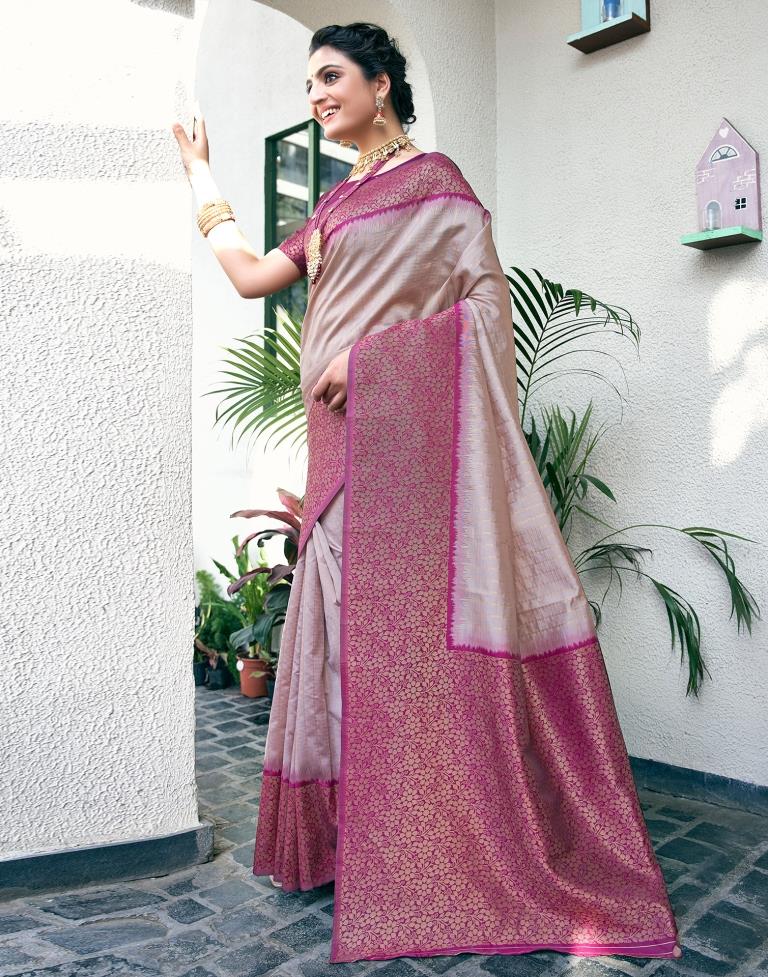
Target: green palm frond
point(546, 319)
point(263, 398)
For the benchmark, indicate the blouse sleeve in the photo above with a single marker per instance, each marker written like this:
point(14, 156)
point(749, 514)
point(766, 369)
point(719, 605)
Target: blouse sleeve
point(293, 247)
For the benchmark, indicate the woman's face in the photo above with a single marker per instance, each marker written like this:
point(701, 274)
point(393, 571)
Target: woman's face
point(333, 80)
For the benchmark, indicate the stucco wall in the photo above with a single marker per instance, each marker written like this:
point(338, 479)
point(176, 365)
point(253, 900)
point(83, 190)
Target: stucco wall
point(97, 697)
point(596, 159)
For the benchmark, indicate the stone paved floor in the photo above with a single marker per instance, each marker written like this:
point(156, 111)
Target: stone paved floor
point(217, 920)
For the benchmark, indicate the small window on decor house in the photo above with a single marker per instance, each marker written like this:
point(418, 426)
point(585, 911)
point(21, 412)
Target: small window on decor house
point(299, 165)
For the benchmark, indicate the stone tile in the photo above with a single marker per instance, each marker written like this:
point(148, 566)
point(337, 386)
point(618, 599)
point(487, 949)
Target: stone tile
point(676, 813)
point(11, 956)
point(660, 829)
point(304, 934)
point(685, 896)
point(592, 967)
point(238, 811)
point(514, 964)
point(104, 934)
point(685, 850)
point(230, 726)
point(731, 910)
point(16, 923)
point(712, 873)
point(213, 779)
point(440, 964)
point(229, 894)
point(719, 835)
point(670, 869)
point(753, 890)
point(211, 762)
point(397, 968)
point(246, 739)
point(243, 752)
point(181, 887)
point(101, 966)
point(85, 904)
point(240, 923)
point(179, 951)
point(240, 833)
point(322, 968)
point(243, 855)
point(188, 911)
point(252, 959)
point(724, 938)
point(290, 903)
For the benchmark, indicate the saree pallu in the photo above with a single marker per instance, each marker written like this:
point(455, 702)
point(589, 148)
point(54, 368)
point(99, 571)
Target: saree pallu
point(485, 801)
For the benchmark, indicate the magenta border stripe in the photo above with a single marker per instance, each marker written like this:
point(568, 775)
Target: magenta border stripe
point(453, 495)
point(406, 203)
point(657, 948)
point(341, 793)
point(298, 783)
point(321, 509)
point(462, 311)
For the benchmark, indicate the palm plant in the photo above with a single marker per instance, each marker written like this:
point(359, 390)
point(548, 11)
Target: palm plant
point(547, 320)
point(264, 394)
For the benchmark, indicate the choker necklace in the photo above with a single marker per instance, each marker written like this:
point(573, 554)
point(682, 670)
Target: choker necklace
point(377, 156)
point(380, 152)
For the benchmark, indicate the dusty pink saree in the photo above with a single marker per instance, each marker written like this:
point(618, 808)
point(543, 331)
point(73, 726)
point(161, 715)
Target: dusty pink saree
point(482, 798)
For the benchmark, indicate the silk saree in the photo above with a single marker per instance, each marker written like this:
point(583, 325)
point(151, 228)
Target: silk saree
point(443, 741)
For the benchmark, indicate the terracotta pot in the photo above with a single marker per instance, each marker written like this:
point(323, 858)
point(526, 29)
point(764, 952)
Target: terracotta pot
point(252, 683)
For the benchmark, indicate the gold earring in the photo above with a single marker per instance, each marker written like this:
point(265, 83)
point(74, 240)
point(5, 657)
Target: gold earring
point(345, 143)
point(379, 119)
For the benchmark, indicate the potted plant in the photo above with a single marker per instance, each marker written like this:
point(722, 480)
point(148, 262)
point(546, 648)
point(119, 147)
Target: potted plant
point(218, 618)
point(259, 656)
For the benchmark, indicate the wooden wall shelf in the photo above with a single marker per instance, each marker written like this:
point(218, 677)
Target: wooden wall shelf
point(595, 34)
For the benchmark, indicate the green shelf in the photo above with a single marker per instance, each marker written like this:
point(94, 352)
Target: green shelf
point(721, 238)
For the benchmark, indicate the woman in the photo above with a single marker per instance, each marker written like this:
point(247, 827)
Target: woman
point(443, 741)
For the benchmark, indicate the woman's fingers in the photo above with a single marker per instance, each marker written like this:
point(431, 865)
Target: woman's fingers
point(181, 136)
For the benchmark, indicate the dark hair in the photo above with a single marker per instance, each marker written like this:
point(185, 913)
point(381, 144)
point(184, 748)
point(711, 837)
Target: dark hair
point(372, 48)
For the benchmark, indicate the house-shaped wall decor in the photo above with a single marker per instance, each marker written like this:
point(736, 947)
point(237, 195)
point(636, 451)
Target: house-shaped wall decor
point(727, 192)
point(605, 22)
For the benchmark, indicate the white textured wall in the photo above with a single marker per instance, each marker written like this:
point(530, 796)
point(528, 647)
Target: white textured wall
point(97, 697)
point(596, 157)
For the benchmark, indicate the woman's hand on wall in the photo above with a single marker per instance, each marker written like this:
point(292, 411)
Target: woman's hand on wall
point(194, 152)
point(331, 386)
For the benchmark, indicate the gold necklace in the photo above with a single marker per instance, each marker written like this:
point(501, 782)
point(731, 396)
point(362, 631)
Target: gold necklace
point(377, 156)
point(380, 152)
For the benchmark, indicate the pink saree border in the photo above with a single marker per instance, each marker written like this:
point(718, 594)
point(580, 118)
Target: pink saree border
point(326, 500)
point(663, 947)
point(463, 316)
point(299, 783)
point(428, 198)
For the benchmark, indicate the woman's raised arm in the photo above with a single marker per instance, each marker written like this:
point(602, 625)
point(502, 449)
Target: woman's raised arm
point(252, 276)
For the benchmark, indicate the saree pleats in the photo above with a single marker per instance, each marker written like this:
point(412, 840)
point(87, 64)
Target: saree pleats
point(297, 823)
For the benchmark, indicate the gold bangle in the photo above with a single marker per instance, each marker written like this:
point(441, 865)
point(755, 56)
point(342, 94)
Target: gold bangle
point(222, 215)
point(203, 215)
point(210, 208)
point(219, 220)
